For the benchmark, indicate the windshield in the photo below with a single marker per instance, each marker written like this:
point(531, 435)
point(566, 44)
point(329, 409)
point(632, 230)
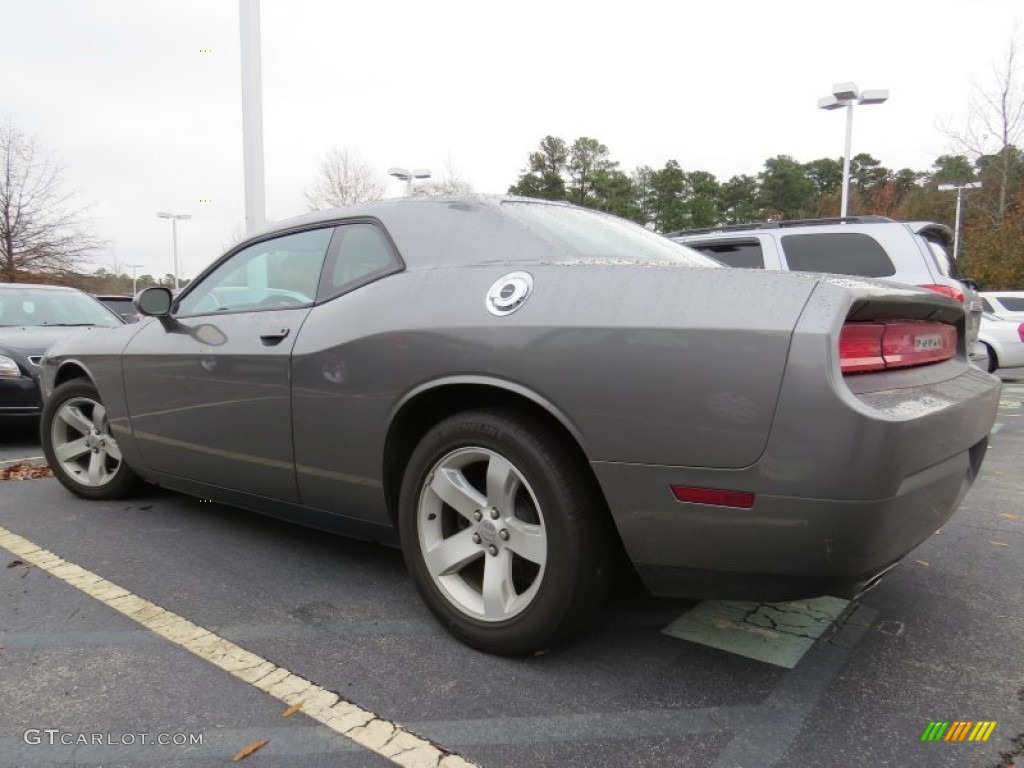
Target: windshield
point(29, 306)
point(595, 235)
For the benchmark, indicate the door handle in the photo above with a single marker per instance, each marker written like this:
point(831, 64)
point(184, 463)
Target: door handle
point(274, 337)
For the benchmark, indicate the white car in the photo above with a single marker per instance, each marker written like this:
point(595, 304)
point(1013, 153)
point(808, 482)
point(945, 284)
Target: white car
point(1008, 305)
point(1004, 340)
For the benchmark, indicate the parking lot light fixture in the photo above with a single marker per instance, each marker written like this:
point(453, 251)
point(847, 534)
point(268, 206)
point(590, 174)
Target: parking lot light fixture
point(846, 95)
point(956, 224)
point(174, 217)
point(406, 175)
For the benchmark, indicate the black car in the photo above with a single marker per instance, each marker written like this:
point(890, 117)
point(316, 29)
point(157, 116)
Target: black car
point(32, 318)
point(123, 305)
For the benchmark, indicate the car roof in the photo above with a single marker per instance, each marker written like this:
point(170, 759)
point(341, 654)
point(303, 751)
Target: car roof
point(394, 207)
point(925, 228)
point(781, 224)
point(422, 229)
point(43, 286)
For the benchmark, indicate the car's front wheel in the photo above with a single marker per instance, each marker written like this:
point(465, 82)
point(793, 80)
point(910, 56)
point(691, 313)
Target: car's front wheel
point(79, 446)
point(503, 533)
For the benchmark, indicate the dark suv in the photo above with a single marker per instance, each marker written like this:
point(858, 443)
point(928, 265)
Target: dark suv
point(914, 252)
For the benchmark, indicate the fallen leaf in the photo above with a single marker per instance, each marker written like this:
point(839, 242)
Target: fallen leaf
point(248, 749)
point(147, 506)
point(542, 652)
point(1008, 516)
point(938, 532)
point(925, 563)
point(15, 563)
point(25, 472)
point(998, 543)
point(293, 708)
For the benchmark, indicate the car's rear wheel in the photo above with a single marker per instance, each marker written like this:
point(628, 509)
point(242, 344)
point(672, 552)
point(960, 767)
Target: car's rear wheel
point(504, 536)
point(79, 446)
point(993, 362)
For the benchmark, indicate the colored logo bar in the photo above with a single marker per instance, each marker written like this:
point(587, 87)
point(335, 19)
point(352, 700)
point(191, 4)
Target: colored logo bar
point(958, 730)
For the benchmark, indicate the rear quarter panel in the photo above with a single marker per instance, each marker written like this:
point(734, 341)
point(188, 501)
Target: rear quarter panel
point(661, 365)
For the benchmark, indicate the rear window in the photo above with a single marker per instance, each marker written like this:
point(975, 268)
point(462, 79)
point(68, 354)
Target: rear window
point(1012, 303)
point(745, 254)
point(591, 234)
point(841, 253)
point(947, 266)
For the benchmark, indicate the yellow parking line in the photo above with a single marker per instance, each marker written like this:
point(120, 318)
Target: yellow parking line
point(350, 720)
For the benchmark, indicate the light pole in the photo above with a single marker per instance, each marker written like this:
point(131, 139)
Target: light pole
point(174, 217)
point(252, 115)
point(135, 281)
point(403, 174)
point(846, 95)
point(956, 226)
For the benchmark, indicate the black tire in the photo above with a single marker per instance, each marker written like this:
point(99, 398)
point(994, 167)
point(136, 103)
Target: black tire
point(551, 494)
point(993, 363)
point(98, 472)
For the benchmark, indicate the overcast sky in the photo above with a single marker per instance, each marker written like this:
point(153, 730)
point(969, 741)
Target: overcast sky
point(123, 92)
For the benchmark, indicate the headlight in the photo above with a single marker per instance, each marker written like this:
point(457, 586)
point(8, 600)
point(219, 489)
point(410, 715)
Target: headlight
point(9, 368)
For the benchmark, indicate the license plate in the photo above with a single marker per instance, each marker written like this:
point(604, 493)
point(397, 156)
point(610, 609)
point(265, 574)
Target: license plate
point(923, 343)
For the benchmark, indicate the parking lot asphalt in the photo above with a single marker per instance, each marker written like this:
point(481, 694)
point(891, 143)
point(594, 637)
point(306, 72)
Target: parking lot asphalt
point(939, 639)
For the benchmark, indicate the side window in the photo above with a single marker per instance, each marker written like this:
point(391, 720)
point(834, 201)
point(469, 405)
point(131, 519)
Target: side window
point(359, 254)
point(1012, 303)
point(282, 272)
point(840, 253)
point(985, 305)
point(746, 254)
point(943, 260)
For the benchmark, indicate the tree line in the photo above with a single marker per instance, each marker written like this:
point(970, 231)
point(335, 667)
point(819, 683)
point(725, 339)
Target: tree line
point(673, 198)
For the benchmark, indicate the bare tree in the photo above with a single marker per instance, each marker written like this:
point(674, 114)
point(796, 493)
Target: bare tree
point(995, 127)
point(42, 230)
point(451, 183)
point(343, 178)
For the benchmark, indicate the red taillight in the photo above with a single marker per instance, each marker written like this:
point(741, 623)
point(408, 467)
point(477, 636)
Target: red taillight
point(865, 347)
point(860, 348)
point(946, 290)
point(716, 496)
point(1020, 331)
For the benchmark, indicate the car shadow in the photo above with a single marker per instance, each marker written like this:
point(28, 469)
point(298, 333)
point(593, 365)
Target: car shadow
point(19, 438)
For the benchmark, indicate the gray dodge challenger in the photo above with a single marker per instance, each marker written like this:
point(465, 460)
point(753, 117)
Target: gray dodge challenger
point(522, 394)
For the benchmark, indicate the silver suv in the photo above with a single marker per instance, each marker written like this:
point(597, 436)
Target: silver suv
point(914, 252)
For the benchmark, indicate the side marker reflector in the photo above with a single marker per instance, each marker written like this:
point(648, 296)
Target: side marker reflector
point(717, 496)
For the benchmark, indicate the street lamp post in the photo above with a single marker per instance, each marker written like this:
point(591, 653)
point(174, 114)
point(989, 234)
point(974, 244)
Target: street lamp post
point(846, 95)
point(135, 281)
point(956, 225)
point(175, 217)
point(403, 174)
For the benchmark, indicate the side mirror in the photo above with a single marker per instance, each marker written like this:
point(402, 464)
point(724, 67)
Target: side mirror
point(154, 302)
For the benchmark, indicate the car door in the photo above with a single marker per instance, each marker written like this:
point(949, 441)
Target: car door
point(341, 385)
point(209, 389)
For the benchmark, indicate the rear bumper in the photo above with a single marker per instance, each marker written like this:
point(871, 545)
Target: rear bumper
point(835, 505)
point(786, 547)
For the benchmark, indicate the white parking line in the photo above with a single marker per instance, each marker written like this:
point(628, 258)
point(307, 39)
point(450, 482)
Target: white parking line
point(23, 459)
point(360, 725)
